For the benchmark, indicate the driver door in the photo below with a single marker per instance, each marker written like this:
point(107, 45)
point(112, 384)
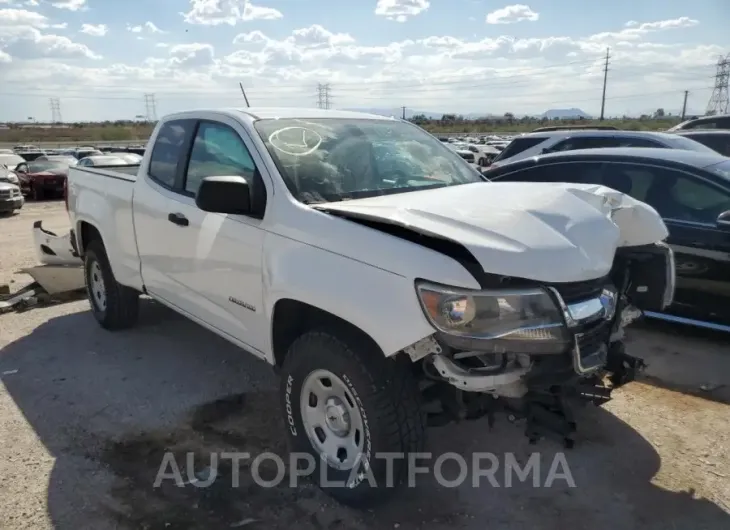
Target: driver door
point(219, 256)
point(690, 207)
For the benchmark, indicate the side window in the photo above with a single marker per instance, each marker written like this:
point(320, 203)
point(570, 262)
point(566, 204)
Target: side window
point(217, 151)
point(168, 151)
point(630, 179)
point(584, 142)
point(677, 195)
point(517, 146)
point(637, 142)
point(576, 172)
point(718, 142)
point(708, 124)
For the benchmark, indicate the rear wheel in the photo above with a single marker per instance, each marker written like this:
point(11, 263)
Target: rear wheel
point(38, 193)
point(347, 406)
point(114, 306)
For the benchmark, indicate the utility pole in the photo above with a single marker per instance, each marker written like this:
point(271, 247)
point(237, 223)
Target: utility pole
point(720, 98)
point(244, 94)
point(324, 99)
point(150, 107)
point(605, 79)
point(684, 105)
point(404, 112)
point(55, 110)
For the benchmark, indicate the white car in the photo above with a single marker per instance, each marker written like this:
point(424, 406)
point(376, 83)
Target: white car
point(372, 287)
point(539, 143)
point(10, 198)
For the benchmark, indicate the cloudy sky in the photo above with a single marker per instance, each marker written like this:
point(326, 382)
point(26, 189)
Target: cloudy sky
point(100, 57)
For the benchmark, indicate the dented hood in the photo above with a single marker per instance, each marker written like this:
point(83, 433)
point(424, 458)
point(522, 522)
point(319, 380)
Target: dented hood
point(542, 231)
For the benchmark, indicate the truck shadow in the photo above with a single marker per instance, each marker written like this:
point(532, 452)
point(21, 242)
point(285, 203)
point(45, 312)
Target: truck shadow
point(108, 407)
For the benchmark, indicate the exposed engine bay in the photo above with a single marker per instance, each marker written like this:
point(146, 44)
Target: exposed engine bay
point(565, 345)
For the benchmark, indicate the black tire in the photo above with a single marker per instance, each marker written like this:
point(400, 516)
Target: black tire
point(387, 397)
point(38, 193)
point(122, 303)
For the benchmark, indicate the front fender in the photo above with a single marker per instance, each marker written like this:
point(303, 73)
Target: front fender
point(380, 303)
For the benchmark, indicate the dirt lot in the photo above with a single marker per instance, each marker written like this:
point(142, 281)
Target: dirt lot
point(85, 417)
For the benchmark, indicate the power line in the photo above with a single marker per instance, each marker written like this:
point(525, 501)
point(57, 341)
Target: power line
point(150, 107)
point(55, 110)
point(324, 99)
point(719, 99)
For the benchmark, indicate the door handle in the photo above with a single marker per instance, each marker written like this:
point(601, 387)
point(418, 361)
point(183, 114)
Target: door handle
point(179, 219)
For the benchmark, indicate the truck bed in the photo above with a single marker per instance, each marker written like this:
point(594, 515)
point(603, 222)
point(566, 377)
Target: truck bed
point(104, 195)
point(128, 172)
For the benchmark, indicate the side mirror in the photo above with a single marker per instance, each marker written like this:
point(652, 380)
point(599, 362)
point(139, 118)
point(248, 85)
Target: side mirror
point(723, 219)
point(230, 195)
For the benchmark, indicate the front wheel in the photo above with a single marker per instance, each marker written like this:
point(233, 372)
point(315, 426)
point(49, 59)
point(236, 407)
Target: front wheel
point(354, 411)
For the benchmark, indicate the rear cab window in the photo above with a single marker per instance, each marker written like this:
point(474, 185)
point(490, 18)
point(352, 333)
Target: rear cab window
point(517, 146)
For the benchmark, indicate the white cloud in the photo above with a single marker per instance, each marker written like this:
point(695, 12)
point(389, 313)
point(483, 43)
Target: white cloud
point(437, 73)
point(71, 5)
point(216, 12)
point(61, 25)
point(30, 43)
point(512, 14)
point(95, 30)
point(21, 38)
point(400, 10)
point(21, 17)
point(147, 27)
point(637, 31)
point(5, 58)
point(253, 12)
point(152, 28)
point(195, 55)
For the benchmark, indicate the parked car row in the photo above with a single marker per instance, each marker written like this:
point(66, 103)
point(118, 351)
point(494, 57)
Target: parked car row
point(42, 173)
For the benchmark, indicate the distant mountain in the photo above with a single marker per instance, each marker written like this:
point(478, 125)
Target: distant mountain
point(566, 114)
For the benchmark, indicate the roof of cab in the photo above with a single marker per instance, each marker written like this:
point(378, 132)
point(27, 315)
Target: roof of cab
point(263, 113)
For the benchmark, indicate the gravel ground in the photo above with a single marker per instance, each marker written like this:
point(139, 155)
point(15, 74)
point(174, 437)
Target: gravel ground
point(86, 415)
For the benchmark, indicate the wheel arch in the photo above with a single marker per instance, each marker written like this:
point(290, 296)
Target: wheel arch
point(291, 318)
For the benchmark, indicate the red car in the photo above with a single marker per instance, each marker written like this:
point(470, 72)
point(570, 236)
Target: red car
point(42, 178)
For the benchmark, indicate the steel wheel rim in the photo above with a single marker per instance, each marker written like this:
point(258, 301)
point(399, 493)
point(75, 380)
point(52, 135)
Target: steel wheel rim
point(332, 420)
point(97, 290)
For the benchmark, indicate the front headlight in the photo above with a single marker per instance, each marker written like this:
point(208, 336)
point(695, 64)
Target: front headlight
point(13, 178)
point(518, 320)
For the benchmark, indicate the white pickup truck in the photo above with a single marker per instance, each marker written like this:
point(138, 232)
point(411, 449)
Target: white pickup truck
point(388, 281)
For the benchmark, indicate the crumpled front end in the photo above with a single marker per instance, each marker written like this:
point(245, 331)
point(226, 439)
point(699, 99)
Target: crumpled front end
point(541, 345)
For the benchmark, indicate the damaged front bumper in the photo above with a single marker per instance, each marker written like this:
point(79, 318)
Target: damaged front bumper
point(593, 362)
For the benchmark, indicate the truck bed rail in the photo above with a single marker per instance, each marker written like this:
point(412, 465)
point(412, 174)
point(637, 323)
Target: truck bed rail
point(126, 172)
